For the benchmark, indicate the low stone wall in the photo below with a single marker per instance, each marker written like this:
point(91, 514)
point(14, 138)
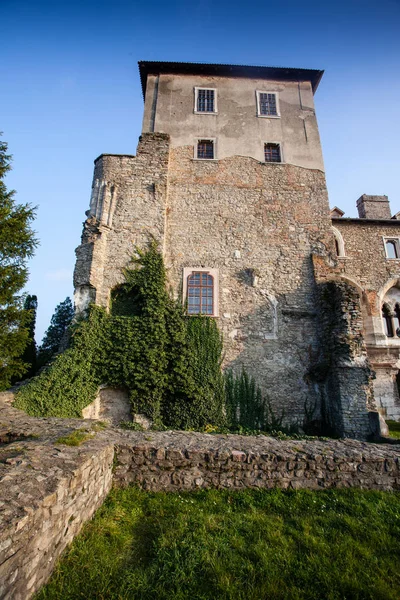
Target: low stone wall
point(175, 461)
point(47, 492)
point(48, 489)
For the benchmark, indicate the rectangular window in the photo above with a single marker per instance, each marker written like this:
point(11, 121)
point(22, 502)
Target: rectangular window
point(272, 153)
point(205, 149)
point(392, 247)
point(205, 100)
point(267, 104)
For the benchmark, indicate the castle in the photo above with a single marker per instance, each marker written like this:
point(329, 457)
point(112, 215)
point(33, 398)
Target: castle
point(229, 177)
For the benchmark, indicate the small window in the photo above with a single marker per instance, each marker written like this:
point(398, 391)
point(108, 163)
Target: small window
point(205, 100)
point(200, 291)
point(267, 104)
point(205, 149)
point(387, 321)
point(392, 248)
point(272, 153)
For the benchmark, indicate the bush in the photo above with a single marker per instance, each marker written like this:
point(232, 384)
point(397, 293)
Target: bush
point(245, 405)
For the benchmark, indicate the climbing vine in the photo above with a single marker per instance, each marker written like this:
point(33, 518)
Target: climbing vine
point(170, 363)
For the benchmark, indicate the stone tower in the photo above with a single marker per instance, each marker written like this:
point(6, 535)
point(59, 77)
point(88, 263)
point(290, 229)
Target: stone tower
point(229, 177)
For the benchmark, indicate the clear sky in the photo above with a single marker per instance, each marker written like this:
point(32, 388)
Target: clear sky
point(70, 91)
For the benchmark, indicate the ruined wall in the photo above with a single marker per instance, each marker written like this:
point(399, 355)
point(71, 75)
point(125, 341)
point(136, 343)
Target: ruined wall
point(366, 263)
point(189, 461)
point(46, 495)
point(48, 489)
point(257, 224)
point(127, 206)
point(345, 383)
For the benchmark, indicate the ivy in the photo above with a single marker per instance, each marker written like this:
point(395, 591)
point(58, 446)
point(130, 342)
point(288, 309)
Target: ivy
point(170, 363)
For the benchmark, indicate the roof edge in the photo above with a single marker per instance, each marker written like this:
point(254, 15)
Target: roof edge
point(223, 70)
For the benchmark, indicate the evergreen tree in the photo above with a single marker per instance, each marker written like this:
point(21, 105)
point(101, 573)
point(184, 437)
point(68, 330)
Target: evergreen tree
point(17, 243)
point(59, 324)
point(29, 355)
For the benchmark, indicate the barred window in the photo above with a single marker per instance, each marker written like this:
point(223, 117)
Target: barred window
point(205, 100)
point(272, 153)
point(200, 293)
point(205, 149)
point(268, 104)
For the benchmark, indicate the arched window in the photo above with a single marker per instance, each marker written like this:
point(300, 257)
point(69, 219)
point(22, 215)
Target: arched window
point(200, 293)
point(339, 242)
point(392, 248)
point(387, 321)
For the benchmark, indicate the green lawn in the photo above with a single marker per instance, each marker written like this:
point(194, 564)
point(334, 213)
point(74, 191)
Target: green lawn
point(394, 429)
point(251, 545)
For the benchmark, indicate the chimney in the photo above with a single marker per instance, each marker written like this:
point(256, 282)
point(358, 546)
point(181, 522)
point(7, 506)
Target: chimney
point(373, 207)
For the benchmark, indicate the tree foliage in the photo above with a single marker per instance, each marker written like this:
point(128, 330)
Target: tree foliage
point(60, 321)
point(30, 353)
point(17, 244)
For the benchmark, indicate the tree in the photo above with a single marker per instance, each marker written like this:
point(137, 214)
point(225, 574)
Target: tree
point(54, 335)
point(17, 244)
point(29, 356)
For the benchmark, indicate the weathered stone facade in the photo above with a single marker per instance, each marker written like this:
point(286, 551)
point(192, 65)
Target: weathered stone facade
point(49, 489)
point(263, 230)
point(366, 265)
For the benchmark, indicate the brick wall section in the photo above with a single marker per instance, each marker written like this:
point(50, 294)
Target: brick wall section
point(48, 490)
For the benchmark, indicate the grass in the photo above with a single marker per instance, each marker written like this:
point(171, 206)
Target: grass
point(250, 545)
point(76, 438)
point(394, 429)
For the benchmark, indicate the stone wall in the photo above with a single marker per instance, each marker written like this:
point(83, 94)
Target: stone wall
point(48, 489)
point(256, 224)
point(47, 492)
point(175, 461)
point(367, 266)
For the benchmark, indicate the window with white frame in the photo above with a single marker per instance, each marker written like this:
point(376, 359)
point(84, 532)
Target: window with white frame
point(200, 291)
point(267, 104)
point(272, 152)
point(205, 149)
point(392, 247)
point(205, 100)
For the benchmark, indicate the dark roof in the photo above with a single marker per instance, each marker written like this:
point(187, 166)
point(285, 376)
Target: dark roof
point(182, 68)
point(363, 221)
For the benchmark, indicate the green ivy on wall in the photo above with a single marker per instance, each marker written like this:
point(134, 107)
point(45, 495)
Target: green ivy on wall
point(170, 363)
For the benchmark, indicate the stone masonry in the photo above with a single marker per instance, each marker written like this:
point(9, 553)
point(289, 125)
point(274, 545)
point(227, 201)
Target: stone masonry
point(260, 228)
point(48, 489)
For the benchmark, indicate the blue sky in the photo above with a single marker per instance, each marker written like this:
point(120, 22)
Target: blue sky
point(70, 91)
